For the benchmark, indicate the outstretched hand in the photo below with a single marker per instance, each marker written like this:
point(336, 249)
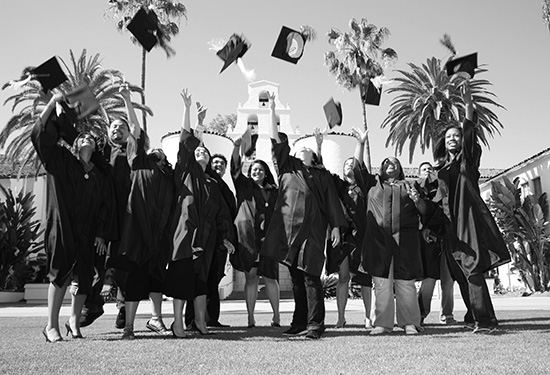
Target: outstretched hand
point(201, 112)
point(271, 97)
point(361, 135)
point(186, 97)
point(318, 136)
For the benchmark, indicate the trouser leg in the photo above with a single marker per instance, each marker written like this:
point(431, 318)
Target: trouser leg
point(407, 309)
point(300, 315)
point(425, 295)
point(315, 303)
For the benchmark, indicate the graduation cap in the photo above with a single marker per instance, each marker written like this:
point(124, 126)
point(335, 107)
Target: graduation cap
point(82, 101)
point(333, 113)
point(467, 64)
point(49, 74)
point(235, 48)
point(370, 94)
point(144, 26)
point(289, 46)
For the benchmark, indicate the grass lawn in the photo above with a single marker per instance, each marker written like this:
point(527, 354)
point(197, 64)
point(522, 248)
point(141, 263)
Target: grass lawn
point(521, 346)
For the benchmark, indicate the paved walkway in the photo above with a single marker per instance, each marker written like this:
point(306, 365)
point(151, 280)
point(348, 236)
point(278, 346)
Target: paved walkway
point(534, 302)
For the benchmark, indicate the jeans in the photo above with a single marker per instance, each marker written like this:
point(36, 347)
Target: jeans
point(309, 301)
point(425, 293)
point(406, 303)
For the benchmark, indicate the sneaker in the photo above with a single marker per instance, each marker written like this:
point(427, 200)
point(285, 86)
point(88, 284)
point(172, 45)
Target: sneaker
point(379, 331)
point(411, 330)
point(295, 331)
point(314, 335)
point(484, 330)
point(120, 322)
point(157, 326)
point(128, 334)
point(447, 320)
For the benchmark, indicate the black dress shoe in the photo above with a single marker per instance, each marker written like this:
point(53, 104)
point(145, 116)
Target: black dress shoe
point(90, 317)
point(120, 322)
point(217, 325)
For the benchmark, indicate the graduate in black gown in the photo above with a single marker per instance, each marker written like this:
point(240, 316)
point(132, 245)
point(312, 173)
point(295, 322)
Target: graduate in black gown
point(307, 205)
point(80, 214)
point(346, 257)
point(256, 197)
point(472, 238)
point(201, 221)
point(144, 247)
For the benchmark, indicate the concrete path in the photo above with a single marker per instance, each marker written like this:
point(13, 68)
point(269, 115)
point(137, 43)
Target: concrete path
point(502, 303)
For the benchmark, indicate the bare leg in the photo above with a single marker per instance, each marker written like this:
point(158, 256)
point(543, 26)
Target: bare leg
point(77, 303)
point(342, 290)
point(156, 305)
point(200, 313)
point(177, 326)
point(55, 300)
point(251, 293)
point(131, 309)
point(272, 290)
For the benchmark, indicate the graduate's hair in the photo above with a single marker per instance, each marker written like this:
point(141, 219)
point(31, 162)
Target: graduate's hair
point(269, 179)
point(219, 156)
point(440, 152)
point(81, 135)
point(383, 172)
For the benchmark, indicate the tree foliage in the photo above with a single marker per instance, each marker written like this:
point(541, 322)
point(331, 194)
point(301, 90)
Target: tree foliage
point(29, 102)
point(221, 124)
point(525, 229)
point(546, 13)
point(428, 100)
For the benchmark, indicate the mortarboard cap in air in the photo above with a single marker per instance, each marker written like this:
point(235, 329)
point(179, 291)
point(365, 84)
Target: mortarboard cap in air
point(82, 101)
point(333, 113)
point(289, 46)
point(144, 26)
point(467, 64)
point(370, 94)
point(49, 74)
point(235, 48)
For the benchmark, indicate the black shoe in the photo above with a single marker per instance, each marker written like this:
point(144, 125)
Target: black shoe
point(217, 325)
point(314, 335)
point(89, 317)
point(295, 331)
point(69, 330)
point(120, 322)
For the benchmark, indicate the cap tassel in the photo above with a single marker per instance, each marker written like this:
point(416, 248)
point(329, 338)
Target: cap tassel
point(248, 74)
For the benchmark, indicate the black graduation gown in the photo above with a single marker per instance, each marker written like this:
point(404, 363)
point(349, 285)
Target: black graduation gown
point(355, 207)
point(79, 207)
point(392, 228)
point(201, 216)
point(434, 221)
point(306, 206)
point(471, 232)
point(253, 217)
point(148, 211)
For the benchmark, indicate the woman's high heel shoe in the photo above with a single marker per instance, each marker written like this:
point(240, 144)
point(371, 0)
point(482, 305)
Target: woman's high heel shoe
point(174, 333)
point(45, 333)
point(69, 330)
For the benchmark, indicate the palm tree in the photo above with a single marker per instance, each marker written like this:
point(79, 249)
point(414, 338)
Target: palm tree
point(168, 12)
point(359, 58)
point(29, 102)
point(546, 13)
point(428, 100)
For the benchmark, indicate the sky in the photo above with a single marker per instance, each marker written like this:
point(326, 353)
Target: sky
point(509, 36)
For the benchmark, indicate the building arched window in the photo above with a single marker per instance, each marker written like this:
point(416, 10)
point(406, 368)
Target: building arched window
point(263, 98)
point(252, 122)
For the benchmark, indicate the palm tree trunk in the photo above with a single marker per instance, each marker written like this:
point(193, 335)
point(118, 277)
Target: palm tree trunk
point(366, 127)
point(143, 64)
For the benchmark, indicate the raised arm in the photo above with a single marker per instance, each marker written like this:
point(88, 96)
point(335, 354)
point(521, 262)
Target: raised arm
point(273, 118)
point(360, 146)
point(133, 123)
point(52, 103)
point(319, 140)
point(186, 120)
point(467, 96)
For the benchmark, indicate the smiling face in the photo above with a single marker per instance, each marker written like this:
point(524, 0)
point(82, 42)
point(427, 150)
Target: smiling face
point(391, 168)
point(84, 142)
point(348, 167)
point(202, 156)
point(257, 173)
point(118, 131)
point(453, 140)
point(219, 165)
